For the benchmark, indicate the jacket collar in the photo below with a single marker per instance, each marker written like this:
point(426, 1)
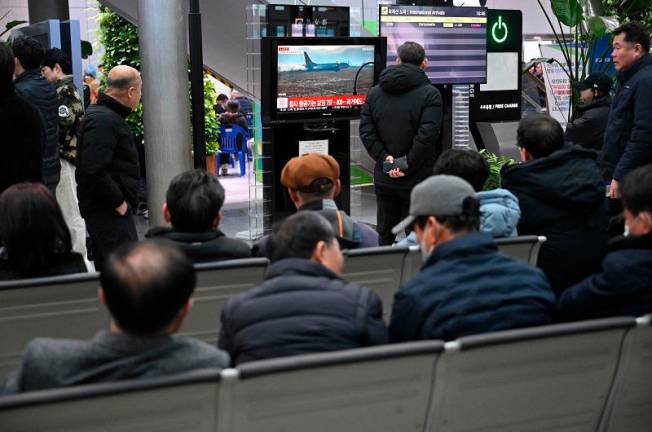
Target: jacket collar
point(31, 73)
point(625, 76)
point(602, 102)
point(128, 343)
point(298, 266)
point(643, 242)
point(115, 106)
point(326, 204)
point(461, 246)
point(184, 237)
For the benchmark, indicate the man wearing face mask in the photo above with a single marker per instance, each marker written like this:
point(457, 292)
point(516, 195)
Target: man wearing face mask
point(465, 285)
point(624, 287)
point(107, 165)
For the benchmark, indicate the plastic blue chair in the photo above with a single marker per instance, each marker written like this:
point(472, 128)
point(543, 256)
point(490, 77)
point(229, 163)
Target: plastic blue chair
point(229, 144)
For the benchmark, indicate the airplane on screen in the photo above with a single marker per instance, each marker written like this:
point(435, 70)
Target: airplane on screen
point(311, 66)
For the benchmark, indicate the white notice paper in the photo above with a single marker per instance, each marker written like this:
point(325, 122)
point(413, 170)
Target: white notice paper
point(315, 146)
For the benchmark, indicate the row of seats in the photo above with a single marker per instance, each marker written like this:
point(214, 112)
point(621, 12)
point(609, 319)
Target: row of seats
point(580, 377)
point(67, 306)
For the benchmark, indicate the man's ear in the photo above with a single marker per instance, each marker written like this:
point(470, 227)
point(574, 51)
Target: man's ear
point(646, 220)
point(218, 219)
point(338, 188)
point(424, 64)
point(525, 155)
point(166, 213)
point(294, 196)
point(318, 252)
point(101, 296)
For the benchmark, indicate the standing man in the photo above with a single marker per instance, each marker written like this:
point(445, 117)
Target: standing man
point(31, 86)
point(402, 118)
point(108, 172)
point(56, 68)
point(628, 137)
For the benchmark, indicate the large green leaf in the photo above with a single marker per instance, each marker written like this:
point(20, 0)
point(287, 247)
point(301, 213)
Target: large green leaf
point(597, 26)
point(569, 12)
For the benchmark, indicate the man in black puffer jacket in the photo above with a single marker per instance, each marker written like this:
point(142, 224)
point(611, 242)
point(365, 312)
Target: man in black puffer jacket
point(107, 165)
point(31, 86)
point(303, 306)
point(402, 117)
point(562, 196)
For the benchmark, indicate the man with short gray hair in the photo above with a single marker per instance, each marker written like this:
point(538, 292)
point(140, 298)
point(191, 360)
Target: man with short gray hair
point(465, 286)
point(108, 171)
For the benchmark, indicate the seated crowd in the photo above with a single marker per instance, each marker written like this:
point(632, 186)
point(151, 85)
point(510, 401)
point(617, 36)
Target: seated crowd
point(304, 304)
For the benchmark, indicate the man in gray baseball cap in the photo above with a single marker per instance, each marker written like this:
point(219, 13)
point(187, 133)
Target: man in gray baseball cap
point(465, 285)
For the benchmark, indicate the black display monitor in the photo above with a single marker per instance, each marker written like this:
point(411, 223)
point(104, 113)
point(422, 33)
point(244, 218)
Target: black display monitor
point(454, 38)
point(313, 79)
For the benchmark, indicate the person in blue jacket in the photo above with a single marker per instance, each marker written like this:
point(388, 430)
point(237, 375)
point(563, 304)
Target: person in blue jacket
point(499, 209)
point(624, 286)
point(465, 285)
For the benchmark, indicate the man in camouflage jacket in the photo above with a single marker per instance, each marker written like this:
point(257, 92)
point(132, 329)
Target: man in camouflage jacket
point(56, 68)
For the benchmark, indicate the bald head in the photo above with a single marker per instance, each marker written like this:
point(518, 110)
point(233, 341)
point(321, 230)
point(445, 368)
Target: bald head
point(235, 94)
point(146, 285)
point(125, 85)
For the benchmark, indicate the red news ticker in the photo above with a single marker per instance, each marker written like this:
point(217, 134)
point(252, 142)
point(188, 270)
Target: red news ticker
point(326, 101)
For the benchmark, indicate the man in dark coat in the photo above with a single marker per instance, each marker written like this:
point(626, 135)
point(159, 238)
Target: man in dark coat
point(465, 285)
point(624, 286)
point(303, 306)
point(22, 129)
point(31, 86)
point(562, 197)
point(628, 137)
point(587, 130)
point(107, 165)
point(402, 117)
point(193, 206)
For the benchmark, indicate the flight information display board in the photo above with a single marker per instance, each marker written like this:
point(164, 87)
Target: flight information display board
point(455, 39)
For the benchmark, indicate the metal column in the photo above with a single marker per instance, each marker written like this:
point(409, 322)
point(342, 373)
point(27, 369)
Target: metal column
point(162, 36)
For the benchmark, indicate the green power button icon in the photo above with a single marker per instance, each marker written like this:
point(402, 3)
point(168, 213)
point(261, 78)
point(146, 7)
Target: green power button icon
point(499, 30)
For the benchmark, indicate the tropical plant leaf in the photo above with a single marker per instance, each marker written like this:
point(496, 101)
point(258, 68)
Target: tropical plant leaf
point(569, 12)
point(634, 7)
point(597, 26)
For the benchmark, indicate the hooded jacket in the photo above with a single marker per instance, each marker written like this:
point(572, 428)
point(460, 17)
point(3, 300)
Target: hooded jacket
point(206, 246)
point(38, 91)
point(623, 287)
point(499, 215)
point(587, 130)
point(467, 287)
point(562, 197)
point(23, 140)
point(628, 136)
point(301, 307)
point(402, 116)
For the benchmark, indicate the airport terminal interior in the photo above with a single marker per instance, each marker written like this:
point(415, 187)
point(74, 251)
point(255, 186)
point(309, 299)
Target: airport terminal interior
point(326, 215)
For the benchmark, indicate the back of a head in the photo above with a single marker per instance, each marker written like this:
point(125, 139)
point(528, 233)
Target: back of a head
point(466, 164)
point(7, 68)
point(222, 98)
point(298, 235)
point(194, 199)
point(233, 106)
point(411, 53)
point(635, 33)
point(146, 285)
point(636, 190)
point(55, 56)
point(29, 51)
point(32, 228)
point(121, 78)
point(540, 135)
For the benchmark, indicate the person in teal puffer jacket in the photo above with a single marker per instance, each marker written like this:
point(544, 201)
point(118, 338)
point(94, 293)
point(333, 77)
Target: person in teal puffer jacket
point(499, 208)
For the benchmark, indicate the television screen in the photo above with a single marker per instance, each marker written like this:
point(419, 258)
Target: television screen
point(454, 38)
point(313, 78)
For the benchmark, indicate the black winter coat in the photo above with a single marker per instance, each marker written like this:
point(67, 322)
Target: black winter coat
point(587, 130)
point(623, 287)
point(628, 137)
point(402, 117)
point(23, 140)
point(31, 86)
point(301, 307)
point(107, 160)
point(206, 246)
point(562, 197)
